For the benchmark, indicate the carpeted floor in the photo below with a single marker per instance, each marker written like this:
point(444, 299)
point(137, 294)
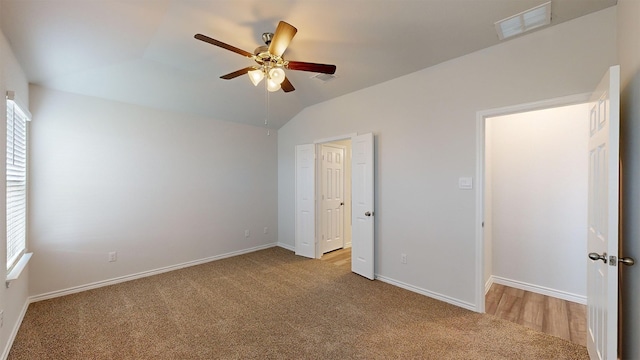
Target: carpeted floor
point(270, 305)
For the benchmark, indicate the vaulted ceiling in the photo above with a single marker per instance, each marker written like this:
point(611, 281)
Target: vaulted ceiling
point(144, 52)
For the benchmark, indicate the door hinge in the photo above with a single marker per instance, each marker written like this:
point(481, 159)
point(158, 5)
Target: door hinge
point(613, 261)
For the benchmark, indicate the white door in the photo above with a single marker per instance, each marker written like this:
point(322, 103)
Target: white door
point(332, 198)
point(362, 256)
point(305, 201)
point(602, 274)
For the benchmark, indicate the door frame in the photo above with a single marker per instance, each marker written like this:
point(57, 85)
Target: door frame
point(481, 117)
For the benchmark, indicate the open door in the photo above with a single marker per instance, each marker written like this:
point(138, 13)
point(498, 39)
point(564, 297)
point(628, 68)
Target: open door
point(305, 244)
point(331, 197)
point(602, 270)
point(362, 256)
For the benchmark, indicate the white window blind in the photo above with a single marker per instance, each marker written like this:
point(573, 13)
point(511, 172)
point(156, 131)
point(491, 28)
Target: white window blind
point(16, 178)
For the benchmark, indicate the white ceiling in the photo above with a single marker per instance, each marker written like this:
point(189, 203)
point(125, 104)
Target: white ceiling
point(143, 51)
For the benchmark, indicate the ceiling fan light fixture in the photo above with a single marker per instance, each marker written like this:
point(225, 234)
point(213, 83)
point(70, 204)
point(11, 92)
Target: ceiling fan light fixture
point(269, 60)
point(272, 85)
point(256, 76)
point(277, 75)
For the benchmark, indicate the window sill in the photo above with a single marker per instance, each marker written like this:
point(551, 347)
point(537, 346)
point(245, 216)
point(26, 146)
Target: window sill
point(14, 274)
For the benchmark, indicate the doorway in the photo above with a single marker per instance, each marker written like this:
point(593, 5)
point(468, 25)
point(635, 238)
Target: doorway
point(334, 196)
point(535, 218)
point(527, 202)
point(307, 220)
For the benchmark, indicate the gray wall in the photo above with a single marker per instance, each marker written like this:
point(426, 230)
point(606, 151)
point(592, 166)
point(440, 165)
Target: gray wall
point(425, 132)
point(629, 57)
point(160, 188)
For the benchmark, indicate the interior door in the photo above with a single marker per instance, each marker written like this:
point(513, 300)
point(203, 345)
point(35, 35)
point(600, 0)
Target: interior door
point(332, 198)
point(362, 255)
point(305, 201)
point(602, 271)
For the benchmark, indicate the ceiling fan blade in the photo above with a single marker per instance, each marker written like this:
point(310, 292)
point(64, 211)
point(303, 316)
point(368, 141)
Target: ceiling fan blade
point(223, 45)
point(281, 38)
point(235, 74)
point(305, 66)
point(286, 85)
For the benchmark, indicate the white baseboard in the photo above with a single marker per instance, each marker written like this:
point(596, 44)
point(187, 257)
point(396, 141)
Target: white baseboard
point(431, 294)
point(14, 331)
point(98, 284)
point(286, 246)
point(488, 284)
point(564, 295)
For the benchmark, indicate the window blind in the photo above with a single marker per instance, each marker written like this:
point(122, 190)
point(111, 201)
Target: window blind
point(16, 181)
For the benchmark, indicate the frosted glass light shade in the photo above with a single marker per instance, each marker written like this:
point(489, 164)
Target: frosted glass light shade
point(272, 85)
point(277, 75)
point(256, 76)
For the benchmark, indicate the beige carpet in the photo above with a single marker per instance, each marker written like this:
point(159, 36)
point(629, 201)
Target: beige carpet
point(270, 305)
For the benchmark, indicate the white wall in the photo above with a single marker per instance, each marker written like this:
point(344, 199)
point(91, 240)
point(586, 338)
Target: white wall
point(13, 300)
point(159, 188)
point(425, 130)
point(539, 199)
point(629, 55)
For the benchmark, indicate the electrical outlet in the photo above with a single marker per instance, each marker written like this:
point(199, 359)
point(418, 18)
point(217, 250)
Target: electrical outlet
point(266, 230)
point(113, 256)
point(247, 233)
point(403, 258)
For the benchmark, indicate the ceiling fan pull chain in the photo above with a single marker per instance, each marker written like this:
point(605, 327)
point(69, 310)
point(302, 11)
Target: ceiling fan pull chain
point(266, 104)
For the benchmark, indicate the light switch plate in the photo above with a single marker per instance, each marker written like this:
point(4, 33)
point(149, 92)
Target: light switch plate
point(465, 183)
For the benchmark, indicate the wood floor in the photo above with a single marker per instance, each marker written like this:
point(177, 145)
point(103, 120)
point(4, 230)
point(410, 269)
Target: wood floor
point(561, 318)
point(338, 257)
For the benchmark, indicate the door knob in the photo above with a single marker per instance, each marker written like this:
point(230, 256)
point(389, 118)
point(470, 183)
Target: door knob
point(368, 213)
point(627, 261)
point(596, 256)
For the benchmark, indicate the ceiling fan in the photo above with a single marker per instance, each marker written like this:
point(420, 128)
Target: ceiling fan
point(270, 63)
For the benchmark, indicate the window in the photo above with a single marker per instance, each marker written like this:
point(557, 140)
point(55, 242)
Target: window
point(16, 181)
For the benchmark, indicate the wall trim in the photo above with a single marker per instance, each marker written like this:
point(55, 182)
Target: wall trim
point(487, 285)
point(431, 294)
point(14, 331)
point(143, 274)
point(335, 138)
point(564, 295)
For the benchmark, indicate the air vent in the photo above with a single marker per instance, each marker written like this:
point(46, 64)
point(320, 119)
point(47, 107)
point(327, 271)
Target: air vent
point(324, 77)
point(525, 21)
